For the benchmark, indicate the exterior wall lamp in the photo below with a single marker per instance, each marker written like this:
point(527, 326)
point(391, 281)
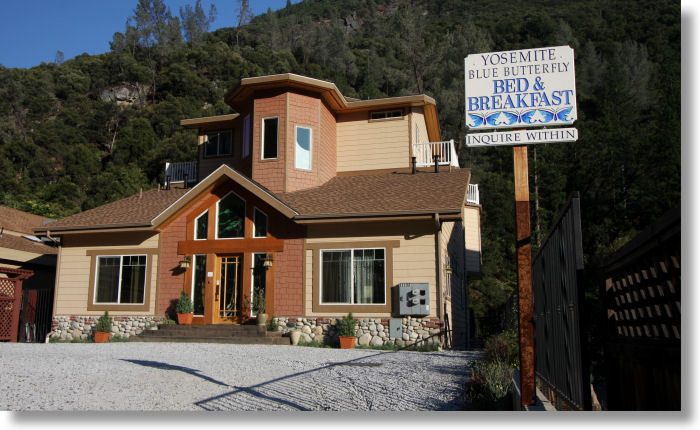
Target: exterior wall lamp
point(185, 262)
point(268, 260)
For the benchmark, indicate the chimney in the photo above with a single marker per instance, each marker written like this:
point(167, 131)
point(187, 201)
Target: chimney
point(413, 165)
point(435, 160)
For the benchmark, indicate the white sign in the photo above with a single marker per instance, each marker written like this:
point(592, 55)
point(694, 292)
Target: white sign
point(525, 88)
point(522, 137)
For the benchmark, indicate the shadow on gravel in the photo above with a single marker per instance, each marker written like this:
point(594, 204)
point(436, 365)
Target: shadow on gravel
point(166, 366)
point(302, 391)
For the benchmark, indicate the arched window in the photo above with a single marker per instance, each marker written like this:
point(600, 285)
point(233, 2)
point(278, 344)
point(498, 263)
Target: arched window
point(230, 217)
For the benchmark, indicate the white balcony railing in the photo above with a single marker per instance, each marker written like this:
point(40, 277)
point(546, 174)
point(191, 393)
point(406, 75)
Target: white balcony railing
point(176, 172)
point(473, 194)
point(447, 156)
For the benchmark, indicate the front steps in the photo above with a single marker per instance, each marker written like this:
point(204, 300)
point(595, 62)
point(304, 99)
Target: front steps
point(214, 333)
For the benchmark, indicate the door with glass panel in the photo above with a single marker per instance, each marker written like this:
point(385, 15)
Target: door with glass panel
point(228, 293)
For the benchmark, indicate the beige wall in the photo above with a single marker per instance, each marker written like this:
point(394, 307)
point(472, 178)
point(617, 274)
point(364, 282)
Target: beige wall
point(472, 238)
point(73, 283)
point(371, 145)
point(414, 259)
point(418, 122)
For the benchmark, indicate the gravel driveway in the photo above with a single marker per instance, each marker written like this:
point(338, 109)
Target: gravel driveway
point(213, 377)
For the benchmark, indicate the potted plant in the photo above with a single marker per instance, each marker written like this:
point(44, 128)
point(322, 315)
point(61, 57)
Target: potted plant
point(346, 331)
point(184, 309)
point(259, 307)
point(103, 329)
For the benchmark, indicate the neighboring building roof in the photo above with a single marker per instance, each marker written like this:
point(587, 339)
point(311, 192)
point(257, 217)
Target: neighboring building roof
point(396, 193)
point(380, 194)
point(135, 211)
point(20, 243)
point(21, 222)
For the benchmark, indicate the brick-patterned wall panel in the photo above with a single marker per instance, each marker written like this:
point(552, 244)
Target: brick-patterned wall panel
point(170, 277)
point(303, 111)
point(288, 278)
point(327, 147)
point(269, 173)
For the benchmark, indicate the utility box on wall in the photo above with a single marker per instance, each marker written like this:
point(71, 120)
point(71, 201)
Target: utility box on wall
point(412, 298)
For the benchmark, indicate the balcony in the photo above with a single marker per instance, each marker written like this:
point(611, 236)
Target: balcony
point(424, 152)
point(178, 173)
point(473, 194)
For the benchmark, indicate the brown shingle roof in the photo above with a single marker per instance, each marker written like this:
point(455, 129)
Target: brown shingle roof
point(22, 222)
point(134, 211)
point(383, 193)
point(21, 244)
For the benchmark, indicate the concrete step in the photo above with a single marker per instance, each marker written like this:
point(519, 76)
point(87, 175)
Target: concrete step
point(213, 333)
point(278, 340)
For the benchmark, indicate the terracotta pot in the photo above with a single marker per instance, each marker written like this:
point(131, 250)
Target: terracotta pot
point(185, 319)
point(347, 342)
point(262, 319)
point(101, 337)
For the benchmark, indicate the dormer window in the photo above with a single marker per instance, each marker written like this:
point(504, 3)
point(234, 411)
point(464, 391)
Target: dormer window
point(386, 114)
point(218, 143)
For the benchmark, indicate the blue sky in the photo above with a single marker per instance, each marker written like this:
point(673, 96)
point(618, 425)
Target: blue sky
point(31, 31)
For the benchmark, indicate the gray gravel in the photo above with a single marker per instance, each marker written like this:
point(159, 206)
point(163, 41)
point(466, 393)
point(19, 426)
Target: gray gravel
point(213, 377)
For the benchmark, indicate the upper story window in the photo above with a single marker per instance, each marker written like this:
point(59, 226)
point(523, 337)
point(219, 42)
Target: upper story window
point(120, 279)
point(386, 114)
point(218, 143)
point(259, 223)
point(302, 148)
point(230, 217)
point(201, 226)
point(269, 138)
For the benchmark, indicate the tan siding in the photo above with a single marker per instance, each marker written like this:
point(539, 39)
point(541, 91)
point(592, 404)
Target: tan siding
point(418, 119)
point(74, 274)
point(368, 145)
point(472, 222)
point(414, 261)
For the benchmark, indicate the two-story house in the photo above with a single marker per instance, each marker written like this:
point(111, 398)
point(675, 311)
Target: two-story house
point(326, 204)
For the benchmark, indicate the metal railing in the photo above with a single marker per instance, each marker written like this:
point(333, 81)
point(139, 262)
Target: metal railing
point(176, 173)
point(447, 155)
point(473, 194)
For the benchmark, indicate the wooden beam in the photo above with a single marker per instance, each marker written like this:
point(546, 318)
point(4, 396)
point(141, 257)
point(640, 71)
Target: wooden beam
point(524, 254)
point(229, 246)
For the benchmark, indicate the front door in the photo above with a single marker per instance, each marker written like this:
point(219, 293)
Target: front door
point(228, 291)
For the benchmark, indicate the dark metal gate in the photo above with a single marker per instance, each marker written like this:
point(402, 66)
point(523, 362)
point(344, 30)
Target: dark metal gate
point(10, 301)
point(560, 359)
point(36, 314)
point(642, 294)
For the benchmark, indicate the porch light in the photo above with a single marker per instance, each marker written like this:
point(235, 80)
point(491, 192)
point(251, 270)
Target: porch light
point(268, 260)
point(185, 263)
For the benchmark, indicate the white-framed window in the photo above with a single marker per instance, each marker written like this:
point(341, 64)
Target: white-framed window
point(201, 226)
point(259, 223)
point(120, 279)
point(199, 278)
point(230, 217)
point(302, 148)
point(270, 131)
point(259, 279)
point(218, 143)
point(353, 276)
point(386, 114)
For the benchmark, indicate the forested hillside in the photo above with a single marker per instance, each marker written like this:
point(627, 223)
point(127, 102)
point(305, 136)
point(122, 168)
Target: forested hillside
point(80, 133)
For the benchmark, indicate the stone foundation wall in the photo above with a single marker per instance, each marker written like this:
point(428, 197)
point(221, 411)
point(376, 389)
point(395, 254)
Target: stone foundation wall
point(370, 331)
point(68, 327)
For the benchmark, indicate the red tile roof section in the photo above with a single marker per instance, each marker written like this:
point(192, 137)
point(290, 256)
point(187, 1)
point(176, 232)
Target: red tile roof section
point(383, 193)
point(137, 210)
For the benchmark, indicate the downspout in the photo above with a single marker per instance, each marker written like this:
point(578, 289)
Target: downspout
point(438, 265)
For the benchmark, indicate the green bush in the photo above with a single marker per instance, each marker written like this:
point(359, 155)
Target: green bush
point(272, 325)
point(313, 344)
point(490, 387)
point(503, 348)
point(104, 324)
point(184, 304)
point(346, 325)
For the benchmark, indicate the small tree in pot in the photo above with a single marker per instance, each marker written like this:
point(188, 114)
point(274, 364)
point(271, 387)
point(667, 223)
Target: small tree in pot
point(103, 329)
point(184, 309)
point(346, 331)
point(259, 307)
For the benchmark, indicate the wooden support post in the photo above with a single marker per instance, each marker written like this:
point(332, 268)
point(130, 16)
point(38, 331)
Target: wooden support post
point(524, 255)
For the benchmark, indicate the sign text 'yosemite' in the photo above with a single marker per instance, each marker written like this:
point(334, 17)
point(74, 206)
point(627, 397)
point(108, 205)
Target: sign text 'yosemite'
point(525, 88)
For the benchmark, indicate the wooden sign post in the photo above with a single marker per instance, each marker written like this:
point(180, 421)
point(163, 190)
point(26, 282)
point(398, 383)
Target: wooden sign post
point(523, 243)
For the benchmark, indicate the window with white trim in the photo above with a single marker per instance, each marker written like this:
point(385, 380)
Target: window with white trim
point(302, 148)
point(120, 279)
point(353, 276)
point(218, 143)
point(259, 223)
point(201, 226)
point(230, 217)
point(269, 138)
point(386, 114)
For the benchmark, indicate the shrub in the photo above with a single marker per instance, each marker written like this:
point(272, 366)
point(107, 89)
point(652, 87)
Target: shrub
point(503, 347)
point(346, 325)
point(313, 344)
point(184, 304)
point(490, 387)
point(272, 325)
point(104, 324)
